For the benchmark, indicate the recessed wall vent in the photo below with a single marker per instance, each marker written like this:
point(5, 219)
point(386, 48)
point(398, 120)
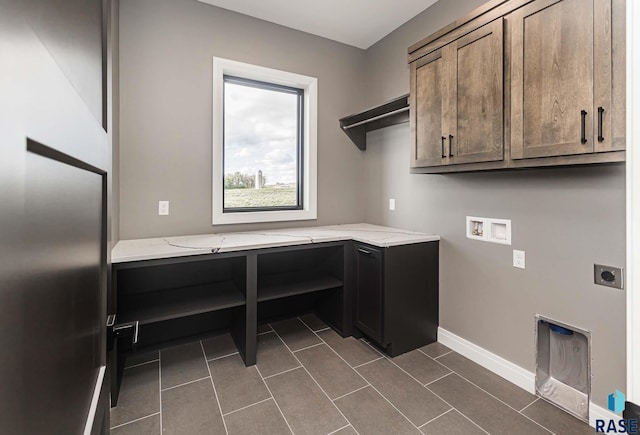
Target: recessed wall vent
point(563, 368)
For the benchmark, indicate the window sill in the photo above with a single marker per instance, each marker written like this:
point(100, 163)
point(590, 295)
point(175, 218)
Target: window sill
point(220, 218)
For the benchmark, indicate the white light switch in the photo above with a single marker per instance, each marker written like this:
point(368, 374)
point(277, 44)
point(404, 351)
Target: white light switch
point(163, 208)
point(392, 204)
point(518, 259)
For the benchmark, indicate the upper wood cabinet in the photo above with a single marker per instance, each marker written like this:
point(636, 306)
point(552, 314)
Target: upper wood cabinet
point(476, 95)
point(520, 83)
point(428, 107)
point(457, 93)
point(561, 79)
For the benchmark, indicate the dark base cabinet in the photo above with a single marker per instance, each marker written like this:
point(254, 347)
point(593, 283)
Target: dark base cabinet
point(396, 295)
point(178, 299)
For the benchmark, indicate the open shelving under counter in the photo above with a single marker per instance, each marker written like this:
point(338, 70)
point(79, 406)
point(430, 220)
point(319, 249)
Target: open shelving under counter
point(158, 293)
point(173, 304)
point(177, 288)
point(305, 270)
point(295, 283)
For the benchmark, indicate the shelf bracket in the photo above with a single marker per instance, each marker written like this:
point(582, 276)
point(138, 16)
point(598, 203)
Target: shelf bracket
point(390, 113)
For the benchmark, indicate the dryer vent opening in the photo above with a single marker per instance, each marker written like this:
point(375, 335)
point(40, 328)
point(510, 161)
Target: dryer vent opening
point(563, 369)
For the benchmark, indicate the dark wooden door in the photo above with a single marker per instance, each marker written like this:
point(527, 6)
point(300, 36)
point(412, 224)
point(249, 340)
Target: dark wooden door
point(369, 294)
point(54, 157)
point(552, 76)
point(428, 109)
point(476, 117)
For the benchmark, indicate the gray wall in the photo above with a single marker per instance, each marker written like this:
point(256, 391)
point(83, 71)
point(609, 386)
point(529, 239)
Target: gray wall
point(165, 88)
point(166, 51)
point(565, 220)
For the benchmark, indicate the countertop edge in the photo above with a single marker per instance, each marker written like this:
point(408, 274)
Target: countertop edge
point(185, 252)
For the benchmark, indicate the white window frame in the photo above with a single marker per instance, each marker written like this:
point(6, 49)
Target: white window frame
point(222, 67)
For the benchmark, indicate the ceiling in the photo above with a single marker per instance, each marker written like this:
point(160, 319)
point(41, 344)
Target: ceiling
point(360, 23)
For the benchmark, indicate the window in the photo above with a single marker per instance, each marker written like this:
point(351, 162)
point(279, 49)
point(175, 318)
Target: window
point(262, 141)
point(264, 144)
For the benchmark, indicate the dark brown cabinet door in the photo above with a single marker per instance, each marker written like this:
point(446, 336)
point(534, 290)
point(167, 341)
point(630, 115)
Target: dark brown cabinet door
point(429, 106)
point(369, 298)
point(560, 78)
point(457, 93)
point(475, 131)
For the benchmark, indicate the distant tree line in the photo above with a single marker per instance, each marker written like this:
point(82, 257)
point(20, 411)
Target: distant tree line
point(238, 180)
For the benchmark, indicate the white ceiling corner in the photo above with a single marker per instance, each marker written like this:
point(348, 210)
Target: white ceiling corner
point(360, 23)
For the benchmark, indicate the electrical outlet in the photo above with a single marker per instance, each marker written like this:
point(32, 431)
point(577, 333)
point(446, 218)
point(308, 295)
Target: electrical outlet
point(392, 204)
point(163, 208)
point(518, 259)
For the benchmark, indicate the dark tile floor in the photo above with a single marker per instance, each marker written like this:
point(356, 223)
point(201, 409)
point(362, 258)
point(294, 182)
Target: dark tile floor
point(309, 380)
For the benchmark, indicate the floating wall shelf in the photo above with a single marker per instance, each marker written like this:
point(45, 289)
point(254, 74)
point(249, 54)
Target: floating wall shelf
point(390, 113)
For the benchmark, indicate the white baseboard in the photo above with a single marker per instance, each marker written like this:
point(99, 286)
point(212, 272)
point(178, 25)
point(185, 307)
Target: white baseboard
point(498, 365)
point(506, 369)
point(599, 413)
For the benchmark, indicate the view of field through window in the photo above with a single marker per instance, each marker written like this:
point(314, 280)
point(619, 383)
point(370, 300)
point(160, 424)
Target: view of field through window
point(260, 145)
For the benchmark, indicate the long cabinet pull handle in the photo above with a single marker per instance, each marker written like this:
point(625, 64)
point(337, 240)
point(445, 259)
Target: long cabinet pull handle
point(442, 139)
point(450, 145)
point(600, 115)
point(364, 251)
point(583, 132)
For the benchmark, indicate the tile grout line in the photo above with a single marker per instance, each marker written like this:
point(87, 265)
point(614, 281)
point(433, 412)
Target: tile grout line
point(536, 399)
point(457, 410)
point(338, 430)
point(142, 363)
point(215, 392)
point(265, 332)
point(308, 347)
point(282, 372)
point(274, 398)
point(366, 381)
point(223, 356)
point(314, 331)
point(453, 407)
point(482, 389)
point(351, 392)
point(499, 400)
point(433, 357)
point(394, 406)
point(160, 388)
point(184, 383)
point(312, 378)
point(439, 356)
point(368, 362)
point(437, 417)
point(436, 380)
point(248, 406)
point(133, 421)
point(373, 348)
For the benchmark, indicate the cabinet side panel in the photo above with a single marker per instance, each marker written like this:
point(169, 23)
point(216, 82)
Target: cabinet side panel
point(411, 296)
point(618, 76)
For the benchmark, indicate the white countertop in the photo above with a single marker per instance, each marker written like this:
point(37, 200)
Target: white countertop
point(180, 246)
